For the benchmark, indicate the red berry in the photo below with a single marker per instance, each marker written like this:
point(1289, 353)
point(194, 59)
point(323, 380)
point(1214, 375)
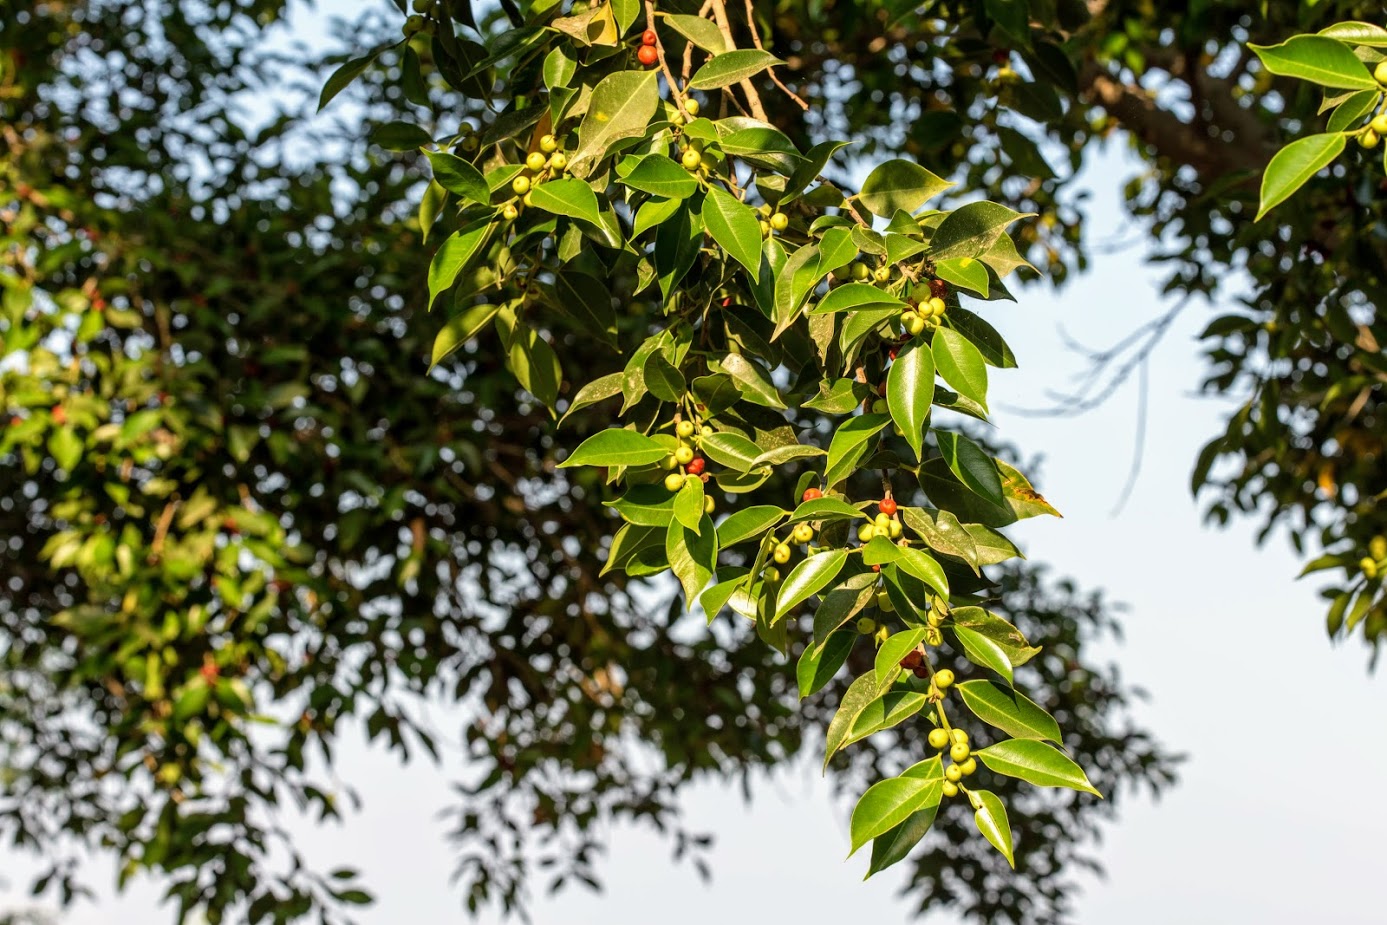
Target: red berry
point(938, 288)
point(59, 414)
point(695, 466)
point(811, 493)
point(921, 672)
point(209, 672)
point(647, 55)
point(912, 660)
point(887, 506)
point(876, 568)
point(891, 353)
point(648, 37)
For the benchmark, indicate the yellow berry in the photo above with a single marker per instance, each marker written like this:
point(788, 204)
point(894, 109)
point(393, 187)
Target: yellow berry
point(803, 533)
point(954, 773)
point(691, 159)
point(884, 602)
point(558, 161)
point(549, 144)
point(1369, 567)
point(937, 306)
point(536, 161)
point(958, 752)
point(969, 766)
point(895, 529)
point(780, 221)
point(1368, 140)
point(866, 626)
point(938, 739)
point(674, 481)
point(781, 554)
point(708, 504)
point(691, 106)
point(950, 789)
point(882, 274)
point(943, 678)
point(959, 736)
point(1379, 123)
point(864, 532)
point(520, 185)
point(684, 454)
point(859, 271)
point(1377, 547)
point(1380, 72)
point(510, 213)
point(772, 575)
point(684, 429)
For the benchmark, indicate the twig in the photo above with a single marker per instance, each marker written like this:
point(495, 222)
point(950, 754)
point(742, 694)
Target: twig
point(660, 53)
point(725, 27)
point(689, 46)
point(756, 38)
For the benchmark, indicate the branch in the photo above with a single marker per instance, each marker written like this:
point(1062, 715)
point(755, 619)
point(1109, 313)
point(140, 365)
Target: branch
point(725, 27)
point(756, 39)
point(660, 53)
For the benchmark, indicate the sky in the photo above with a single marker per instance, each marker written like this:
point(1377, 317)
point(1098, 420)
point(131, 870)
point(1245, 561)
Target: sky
point(1275, 819)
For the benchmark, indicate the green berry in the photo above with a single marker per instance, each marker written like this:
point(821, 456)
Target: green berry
point(880, 406)
point(528, 198)
point(958, 736)
point(937, 306)
point(938, 739)
point(684, 429)
point(781, 554)
point(422, 6)
point(803, 533)
point(950, 789)
point(1368, 140)
point(549, 144)
point(943, 678)
point(779, 221)
point(954, 773)
point(1379, 123)
point(864, 532)
point(969, 766)
point(669, 462)
point(691, 159)
point(684, 454)
point(882, 274)
point(705, 431)
point(895, 529)
point(859, 271)
point(866, 626)
point(413, 24)
point(882, 521)
point(958, 752)
point(772, 575)
point(536, 161)
point(914, 325)
point(691, 106)
point(1380, 72)
point(674, 481)
point(558, 161)
point(1377, 547)
point(884, 602)
point(510, 213)
point(880, 531)
point(520, 185)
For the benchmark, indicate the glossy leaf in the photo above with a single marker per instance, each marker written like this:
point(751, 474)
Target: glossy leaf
point(616, 446)
point(688, 504)
point(1036, 763)
point(455, 253)
point(910, 392)
point(1318, 59)
point(819, 663)
point(960, 364)
point(970, 230)
point(621, 108)
point(734, 226)
point(730, 67)
point(990, 815)
point(806, 579)
point(971, 465)
point(459, 177)
point(890, 802)
point(899, 184)
point(692, 557)
point(660, 176)
point(1294, 165)
point(570, 196)
point(1009, 710)
point(747, 522)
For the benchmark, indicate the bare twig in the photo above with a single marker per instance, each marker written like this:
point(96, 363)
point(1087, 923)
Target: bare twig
point(725, 27)
point(660, 52)
point(756, 38)
point(689, 46)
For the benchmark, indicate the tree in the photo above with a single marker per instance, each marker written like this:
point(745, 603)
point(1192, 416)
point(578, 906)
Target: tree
point(963, 27)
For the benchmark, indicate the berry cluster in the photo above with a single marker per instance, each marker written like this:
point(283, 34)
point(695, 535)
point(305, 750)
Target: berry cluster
point(546, 163)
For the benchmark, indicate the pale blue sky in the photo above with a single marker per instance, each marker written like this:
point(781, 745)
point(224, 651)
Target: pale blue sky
point(1275, 820)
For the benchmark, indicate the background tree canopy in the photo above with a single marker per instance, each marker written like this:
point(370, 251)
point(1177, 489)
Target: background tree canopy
point(239, 514)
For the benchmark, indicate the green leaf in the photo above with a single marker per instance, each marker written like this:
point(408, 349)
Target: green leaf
point(1009, 710)
point(430, 205)
point(559, 68)
point(1320, 60)
point(964, 272)
point(652, 213)
point(729, 67)
point(1007, 638)
point(943, 533)
point(1294, 165)
point(608, 386)
point(630, 540)
point(588, 300)
point(910, 391)
point(616, 446)
point(970, 230)
point(818, 664)
point(807, 579)
point(895, 648)
point(731, 450)
point(621, 107)
point(826, 510)
point(459, 177)
point(647, 505)
point(783, 454)
point(899, 184)
point(893, 708)
point(702, 32)
point(1357, 33)
point(843, 603)
point(983, 652)
point(454, 254)
point(459, 330)
point(749, 522)
point(692, 557)
point(1036, 763)
point(857, 698)
point(677, 243)
point(662, 379)
point(992, 547)
point(983, 336)
point(838, 396)
point(65, 447)
point(399, 136)
point(971, 465)
point(1352, 110)
point(855, 297)
point(535, 365)
point(660, 176)
point(960, 364)
point(625, 12)
point(763, 146)
point(991, 818)
point(734, 226)
point(850, 443)
point(570, 196)
point(924, 567)
point(688, 504)
point(349, 72)
point(731, 583)
point(888, 803)
point(893, 846)
point(751, 380)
